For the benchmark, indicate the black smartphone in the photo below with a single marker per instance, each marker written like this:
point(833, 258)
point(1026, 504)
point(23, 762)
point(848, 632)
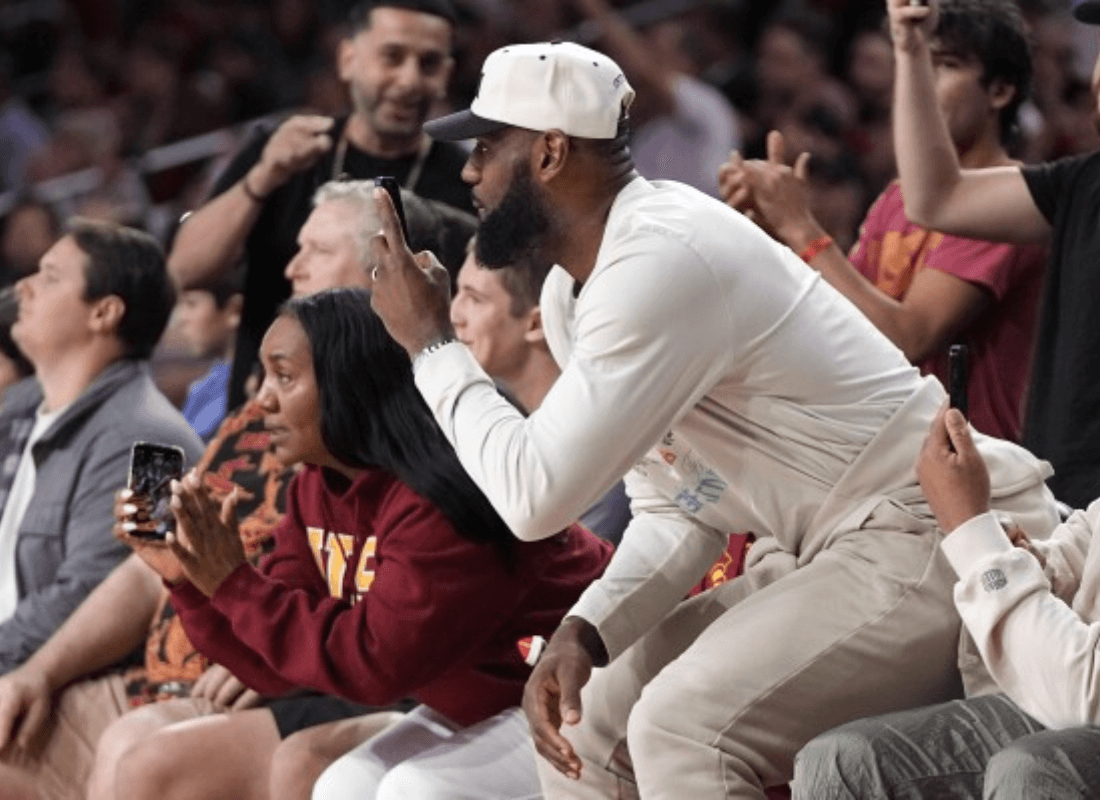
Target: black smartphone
point(958, 376)
point(153, 467)
point(393, 189)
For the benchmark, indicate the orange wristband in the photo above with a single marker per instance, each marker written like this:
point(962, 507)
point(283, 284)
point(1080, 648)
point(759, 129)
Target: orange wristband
point(814, 248)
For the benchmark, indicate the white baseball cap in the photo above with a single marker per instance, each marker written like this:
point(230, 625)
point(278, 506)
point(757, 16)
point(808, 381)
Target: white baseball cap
point(541, 87)
point(1088, 11)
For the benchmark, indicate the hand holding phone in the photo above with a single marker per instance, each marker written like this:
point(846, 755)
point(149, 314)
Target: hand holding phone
point(153, 467)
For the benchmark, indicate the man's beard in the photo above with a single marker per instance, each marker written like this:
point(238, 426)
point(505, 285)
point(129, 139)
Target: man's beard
point(516, 232)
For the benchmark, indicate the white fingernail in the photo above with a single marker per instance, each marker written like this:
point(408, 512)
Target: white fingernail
point(129, 508)
point(126, 494)
point(129, 526)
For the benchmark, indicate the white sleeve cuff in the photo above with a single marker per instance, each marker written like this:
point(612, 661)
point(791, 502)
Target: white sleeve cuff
point(974, 541)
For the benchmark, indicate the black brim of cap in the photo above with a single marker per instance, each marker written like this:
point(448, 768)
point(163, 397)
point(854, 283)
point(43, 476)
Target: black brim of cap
point(1088, 13)
point(461, 125)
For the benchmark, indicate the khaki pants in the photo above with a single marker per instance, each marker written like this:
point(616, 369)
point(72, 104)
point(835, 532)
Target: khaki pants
point(61, 761)
point(716, 700)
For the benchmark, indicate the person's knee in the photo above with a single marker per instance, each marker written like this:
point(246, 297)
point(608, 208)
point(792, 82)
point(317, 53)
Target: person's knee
point(1028, 768)
point(832, 761)
point(118, 739)
point(408, 781)
point(145, 770)
point(348, 778)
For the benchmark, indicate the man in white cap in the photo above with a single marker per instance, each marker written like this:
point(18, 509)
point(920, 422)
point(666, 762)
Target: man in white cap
point(740, 392)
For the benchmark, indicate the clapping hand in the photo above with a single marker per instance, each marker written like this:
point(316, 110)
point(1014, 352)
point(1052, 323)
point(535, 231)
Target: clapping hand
point(206, 541)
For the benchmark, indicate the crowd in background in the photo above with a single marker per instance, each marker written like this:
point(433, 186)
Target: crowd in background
point(99, 85)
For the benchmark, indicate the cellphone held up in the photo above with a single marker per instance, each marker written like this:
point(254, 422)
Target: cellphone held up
point(153, 467)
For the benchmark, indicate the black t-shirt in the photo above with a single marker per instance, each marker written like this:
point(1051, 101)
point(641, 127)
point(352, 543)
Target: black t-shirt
point(273, 240)
point(1062, 423)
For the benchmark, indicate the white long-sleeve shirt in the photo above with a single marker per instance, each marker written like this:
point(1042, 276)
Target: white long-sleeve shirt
point(1038, 631)
point(736, 390)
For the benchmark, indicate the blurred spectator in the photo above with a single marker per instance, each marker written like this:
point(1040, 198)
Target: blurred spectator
point(30, 229)
point(22, 133)
point(683, 128)
point(14, 366)
point(792, 68)
point(1060, 119)
point(396, 62)
point(871, 75)
point(208, 319)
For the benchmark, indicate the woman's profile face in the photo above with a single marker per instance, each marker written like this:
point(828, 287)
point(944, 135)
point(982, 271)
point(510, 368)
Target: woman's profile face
point(289, 396)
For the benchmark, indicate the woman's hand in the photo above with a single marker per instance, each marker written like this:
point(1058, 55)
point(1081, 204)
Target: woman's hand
point(225, 690)
point(206, 540)
point(132, 518)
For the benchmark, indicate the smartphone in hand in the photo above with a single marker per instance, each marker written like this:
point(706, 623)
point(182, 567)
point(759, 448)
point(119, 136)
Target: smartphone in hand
point(153, 467)
point(393, 189)
point(958, 377)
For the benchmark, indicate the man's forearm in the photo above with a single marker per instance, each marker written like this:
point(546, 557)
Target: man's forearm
point(111, 622)
point(212, 237)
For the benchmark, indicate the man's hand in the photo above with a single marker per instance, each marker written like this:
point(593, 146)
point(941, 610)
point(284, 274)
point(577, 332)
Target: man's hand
point(911, 26)
point(411, 294)
point(951, 471)
point(777, 191)
point(553, 694)
point(224, 690)
point(26, 700)
point(296, 145)
point(206, 540)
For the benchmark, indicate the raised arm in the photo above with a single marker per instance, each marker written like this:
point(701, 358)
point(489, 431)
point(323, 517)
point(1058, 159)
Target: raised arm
point(992, 203)
point(212, 237)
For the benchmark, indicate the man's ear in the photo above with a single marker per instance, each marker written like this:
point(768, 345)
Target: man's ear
point(107, 314)
point(1001, 93)
point(233, 307)
point(534, 334)
point(345, 59)
point(551, 150)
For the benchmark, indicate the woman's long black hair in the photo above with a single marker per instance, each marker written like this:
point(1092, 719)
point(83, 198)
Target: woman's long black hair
point(372, 414)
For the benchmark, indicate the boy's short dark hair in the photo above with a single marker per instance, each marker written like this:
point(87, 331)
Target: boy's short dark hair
point(993, 32)
point(129, 264)
point(359, 14)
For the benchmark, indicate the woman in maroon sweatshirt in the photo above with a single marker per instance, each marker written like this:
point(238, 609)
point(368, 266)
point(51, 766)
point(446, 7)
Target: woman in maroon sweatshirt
point(392, 576)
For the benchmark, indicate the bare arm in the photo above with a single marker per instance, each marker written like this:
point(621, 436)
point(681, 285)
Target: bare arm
point(109, 624)
point(112, 621)
point(934, 309)
point(992, 203)
point(213, 236)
